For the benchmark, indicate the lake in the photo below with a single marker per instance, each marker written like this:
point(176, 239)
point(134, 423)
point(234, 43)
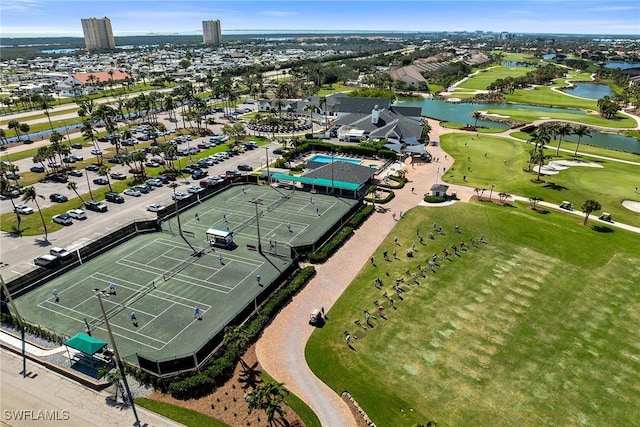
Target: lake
point(590, 90)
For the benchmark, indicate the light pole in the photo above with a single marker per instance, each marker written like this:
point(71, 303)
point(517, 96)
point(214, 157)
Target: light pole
point(99, 293)
point(266, 151)
point(437, 173)
point(256, 202)
point(64, 123)
point(22, 326)
point(491, 192)
point(173, 186)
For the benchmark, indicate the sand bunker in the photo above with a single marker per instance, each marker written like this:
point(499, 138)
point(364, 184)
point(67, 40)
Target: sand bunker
point(631, 205)
point(556, 166)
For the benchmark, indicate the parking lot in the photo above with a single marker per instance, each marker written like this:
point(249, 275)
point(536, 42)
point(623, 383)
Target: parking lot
point(17, 253)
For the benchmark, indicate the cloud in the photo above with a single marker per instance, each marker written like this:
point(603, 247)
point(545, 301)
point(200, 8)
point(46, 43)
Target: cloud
point(21, 6)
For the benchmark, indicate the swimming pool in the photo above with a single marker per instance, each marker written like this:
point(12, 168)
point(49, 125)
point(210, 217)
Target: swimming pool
point(321, 158)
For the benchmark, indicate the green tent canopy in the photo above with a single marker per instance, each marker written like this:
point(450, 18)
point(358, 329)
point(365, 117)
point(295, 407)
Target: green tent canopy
point(85, 343)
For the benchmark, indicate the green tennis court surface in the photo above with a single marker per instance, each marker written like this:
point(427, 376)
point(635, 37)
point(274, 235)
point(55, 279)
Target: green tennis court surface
point(158, 277)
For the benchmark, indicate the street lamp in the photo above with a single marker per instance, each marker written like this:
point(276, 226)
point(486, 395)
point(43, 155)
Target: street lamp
point(173, 186)
point(491, 192)
point(20, 322)
point(266, 151)
point(99, 293)
point(256, 202)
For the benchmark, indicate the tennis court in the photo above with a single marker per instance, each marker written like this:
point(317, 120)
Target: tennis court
point(160, 278)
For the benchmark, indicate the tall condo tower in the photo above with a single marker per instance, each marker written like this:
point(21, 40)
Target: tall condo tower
point(211, 32)
point(98, 34)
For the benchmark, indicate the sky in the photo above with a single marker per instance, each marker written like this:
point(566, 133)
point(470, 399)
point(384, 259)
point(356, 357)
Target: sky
point(130, 17)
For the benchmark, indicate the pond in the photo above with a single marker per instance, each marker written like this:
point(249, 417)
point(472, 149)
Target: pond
point(622, 65)
point(460, 112)
point(590, 90)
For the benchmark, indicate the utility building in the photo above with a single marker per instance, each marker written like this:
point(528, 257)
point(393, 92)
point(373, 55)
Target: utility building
point(98, 34)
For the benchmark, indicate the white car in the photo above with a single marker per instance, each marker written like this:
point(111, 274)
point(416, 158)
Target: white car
point(96, 152)
point(77, 214)
point(23, 209)
point(179, 195)
point(155, 207)
point(59, 252)
point(193, 189)
point(63, 219)
point(133, 192)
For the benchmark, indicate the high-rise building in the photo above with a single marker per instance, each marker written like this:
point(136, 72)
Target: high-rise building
point(211, 32)
point(98, 34)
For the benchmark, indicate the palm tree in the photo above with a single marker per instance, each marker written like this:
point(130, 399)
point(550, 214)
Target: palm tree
point(25, 128)
point(71, 185)
point(46, 106)
point(476, 115)
point(4, 188)
point(580, 131)
point(539, 157)
point(15, 125)
point(269, 398)
point(540, 137)
point(564, 129)
point(104, 171)
point(30, 195)
point(588, 207)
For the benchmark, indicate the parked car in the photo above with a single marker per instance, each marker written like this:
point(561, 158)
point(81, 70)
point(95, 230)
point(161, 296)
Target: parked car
point(141, 188)
point(118, 176)
point(57, 197)
point(96, 206)
point(23, 209)
point(245, 167)
point(133, 192)
point(93, 168)
point(63, 219)
point(155, 207)
point(75, 172)
point(154, 182)
point(57, 177)
point(198, 174)
point(193, 189)
point(113, 197)
point(60, 252)
point(179, 195)
point(77, 214)
point(47, 260)
point(278, 151)
point(115, 160)
point(96, 152)
point(101, 181)
point(76, 145)
point(37, 169)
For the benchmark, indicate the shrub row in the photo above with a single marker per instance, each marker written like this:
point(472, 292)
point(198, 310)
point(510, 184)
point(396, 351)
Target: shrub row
point(341, 236)
point(33, 329)
point(434, 199)
point(222, 367)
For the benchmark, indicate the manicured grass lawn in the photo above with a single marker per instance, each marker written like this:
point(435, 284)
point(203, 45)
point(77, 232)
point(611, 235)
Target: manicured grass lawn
point(528, 116)
point(487, 76)
point(537, 327)
point(185, 416)
point(610, 185)
point(326, 90)
point(303, 410)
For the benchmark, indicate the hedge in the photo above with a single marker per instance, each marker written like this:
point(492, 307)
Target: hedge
point(434, 199)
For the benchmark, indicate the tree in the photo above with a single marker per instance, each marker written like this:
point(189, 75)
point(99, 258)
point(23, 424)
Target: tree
point(476, 115)
point(564, 129)
point(15, 125)
point(533, 201)
point(540, 137)
point(30, 195)
point(25, 128)
point(4, 189)
point(580, 132)
point(588, 207)
point(104, 171)
point(71, 185)
point(269, 398)
point(46, 106)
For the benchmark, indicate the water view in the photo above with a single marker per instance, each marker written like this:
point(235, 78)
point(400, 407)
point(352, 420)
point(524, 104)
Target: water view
point(590, 90)
point(460, 112)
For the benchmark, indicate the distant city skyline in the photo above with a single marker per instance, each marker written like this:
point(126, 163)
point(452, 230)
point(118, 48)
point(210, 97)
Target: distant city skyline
point(32, 18)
